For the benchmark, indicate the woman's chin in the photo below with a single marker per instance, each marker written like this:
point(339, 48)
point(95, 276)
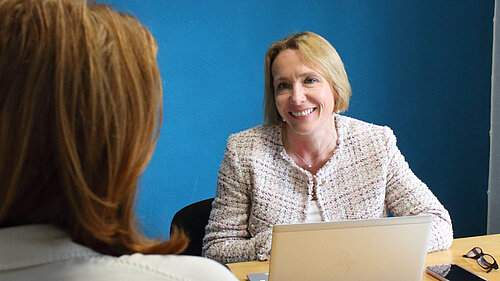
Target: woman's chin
point(300, 130)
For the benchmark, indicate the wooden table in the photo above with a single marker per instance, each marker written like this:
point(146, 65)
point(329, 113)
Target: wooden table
point(489, 243)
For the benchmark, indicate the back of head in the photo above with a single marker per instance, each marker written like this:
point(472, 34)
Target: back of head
point(319, 54)
point(80, 109)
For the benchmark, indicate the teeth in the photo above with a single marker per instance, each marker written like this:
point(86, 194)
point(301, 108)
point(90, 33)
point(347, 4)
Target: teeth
point(302, 113)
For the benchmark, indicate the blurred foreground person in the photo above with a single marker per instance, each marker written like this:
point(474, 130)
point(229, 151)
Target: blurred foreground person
point(80, 110)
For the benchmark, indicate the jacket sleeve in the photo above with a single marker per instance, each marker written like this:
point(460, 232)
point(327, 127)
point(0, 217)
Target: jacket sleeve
point(408, 195)
point(227, 238)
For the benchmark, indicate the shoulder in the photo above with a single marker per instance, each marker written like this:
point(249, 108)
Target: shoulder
point(257, 133)
point(258, 137)
point(180, 266)
point(353, 125)
point(145, 267)
point(51, 255)
point(361, 136)
point(355, 129)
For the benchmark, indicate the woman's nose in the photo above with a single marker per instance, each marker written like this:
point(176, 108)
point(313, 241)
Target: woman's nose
point(298, 95)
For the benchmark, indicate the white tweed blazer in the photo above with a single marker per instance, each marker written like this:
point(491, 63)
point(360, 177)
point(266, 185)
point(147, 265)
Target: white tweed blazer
point(259, 185)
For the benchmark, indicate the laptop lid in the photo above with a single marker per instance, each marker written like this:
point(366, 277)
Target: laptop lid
point(375, 249)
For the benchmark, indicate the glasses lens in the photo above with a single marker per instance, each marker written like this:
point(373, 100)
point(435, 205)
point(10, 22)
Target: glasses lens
point(474, 253)
point(486, 261)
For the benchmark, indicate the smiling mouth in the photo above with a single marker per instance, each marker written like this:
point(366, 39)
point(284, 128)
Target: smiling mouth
point(302, 113)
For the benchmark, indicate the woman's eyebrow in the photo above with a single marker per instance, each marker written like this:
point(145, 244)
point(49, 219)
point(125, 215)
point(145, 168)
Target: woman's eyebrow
point(276, 79)
point(308, 73)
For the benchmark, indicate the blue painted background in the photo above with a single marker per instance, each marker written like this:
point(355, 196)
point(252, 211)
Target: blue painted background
point(421, 67)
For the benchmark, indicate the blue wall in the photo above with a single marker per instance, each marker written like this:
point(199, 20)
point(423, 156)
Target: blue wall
point(421, 67)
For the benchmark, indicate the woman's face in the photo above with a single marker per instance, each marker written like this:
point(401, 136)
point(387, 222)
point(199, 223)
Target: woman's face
point(303, 97)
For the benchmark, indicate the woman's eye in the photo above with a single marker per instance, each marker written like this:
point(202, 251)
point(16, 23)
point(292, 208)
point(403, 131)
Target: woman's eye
point(311, 80)
point(282, 86)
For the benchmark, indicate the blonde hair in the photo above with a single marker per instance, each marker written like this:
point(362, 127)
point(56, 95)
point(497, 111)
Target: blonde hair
point(318, 54)
point(80, 112)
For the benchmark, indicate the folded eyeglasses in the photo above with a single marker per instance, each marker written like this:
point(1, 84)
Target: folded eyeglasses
point(486, 261)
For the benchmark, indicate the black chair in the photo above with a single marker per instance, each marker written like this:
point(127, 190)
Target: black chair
point(192, 219)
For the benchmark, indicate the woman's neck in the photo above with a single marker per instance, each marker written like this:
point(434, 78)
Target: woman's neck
point(311, 143)
point(310, 151)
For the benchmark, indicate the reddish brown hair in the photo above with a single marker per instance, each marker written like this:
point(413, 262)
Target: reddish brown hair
point(80, 111)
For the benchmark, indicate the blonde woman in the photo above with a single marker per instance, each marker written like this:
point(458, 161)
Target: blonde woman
point(308, 163)
point(80, 110)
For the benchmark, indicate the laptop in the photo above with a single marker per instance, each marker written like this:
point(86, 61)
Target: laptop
point(375, 249)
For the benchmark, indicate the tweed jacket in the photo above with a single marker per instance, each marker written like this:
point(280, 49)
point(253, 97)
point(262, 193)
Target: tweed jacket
point(259, 185)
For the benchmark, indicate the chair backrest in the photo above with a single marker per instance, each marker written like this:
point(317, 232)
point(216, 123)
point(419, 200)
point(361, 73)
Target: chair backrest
point(193, 219)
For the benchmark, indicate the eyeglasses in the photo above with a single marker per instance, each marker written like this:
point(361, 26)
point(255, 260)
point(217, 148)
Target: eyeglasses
point(486, 261)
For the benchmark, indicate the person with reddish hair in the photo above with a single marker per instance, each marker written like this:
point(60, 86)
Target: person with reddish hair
point(80, 113)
